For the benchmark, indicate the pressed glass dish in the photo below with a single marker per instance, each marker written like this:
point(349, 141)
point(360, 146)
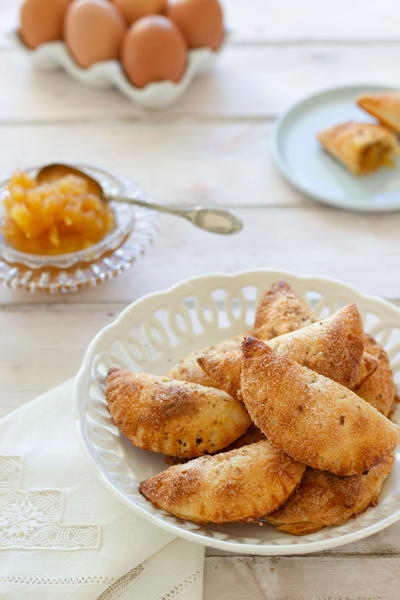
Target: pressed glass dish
point(135, 228)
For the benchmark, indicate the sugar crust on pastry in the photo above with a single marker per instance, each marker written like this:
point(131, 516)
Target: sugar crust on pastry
point(332, 347)
point(280, 311)
point(379, 389)
point(240, 485)
point(323, 499)
point(177, 418)
point(187, 368)
point(313, 419)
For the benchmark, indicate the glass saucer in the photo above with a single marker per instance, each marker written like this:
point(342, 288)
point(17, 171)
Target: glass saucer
point(115, 253)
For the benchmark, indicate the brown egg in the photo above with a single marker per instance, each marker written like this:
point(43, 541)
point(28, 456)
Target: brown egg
point(93, 31)
point(201, 21)
point(132, 10)
point(42, 21)
point(154, 49)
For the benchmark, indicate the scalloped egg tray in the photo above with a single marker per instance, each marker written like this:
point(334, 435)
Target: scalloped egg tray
point(107, 74)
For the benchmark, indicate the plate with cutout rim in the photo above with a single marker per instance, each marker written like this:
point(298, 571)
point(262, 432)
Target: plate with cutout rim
point(153, 333)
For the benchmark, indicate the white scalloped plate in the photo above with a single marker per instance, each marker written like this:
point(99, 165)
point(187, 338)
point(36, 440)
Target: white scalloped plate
point(153, 333)
point(109, 73)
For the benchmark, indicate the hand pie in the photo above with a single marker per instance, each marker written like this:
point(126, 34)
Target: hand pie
point(379, 388)
point(188, 370)
point(281, 311)
point(332, 347)
point(385, 107)
point(323, 499)
point(252, 435)
point(361, 147)
point(311, 418)
point(174, 417)
point(369, 364)
point(240, 485)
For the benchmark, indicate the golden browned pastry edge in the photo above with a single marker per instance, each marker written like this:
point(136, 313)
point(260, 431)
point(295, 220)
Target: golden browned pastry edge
point(323, 500)
point(313, 419)
point(241, 485)
point(178, 418)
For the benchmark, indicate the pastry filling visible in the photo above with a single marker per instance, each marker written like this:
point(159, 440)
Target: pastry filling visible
point(53, 218)
point(374, 156)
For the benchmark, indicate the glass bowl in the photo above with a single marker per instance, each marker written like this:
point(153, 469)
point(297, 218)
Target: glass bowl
point(64, 273)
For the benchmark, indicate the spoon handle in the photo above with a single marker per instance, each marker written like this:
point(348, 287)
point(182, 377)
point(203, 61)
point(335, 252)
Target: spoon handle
point(152, 205)
point(212, 219)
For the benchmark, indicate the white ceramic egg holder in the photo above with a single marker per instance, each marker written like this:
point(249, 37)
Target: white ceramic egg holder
point(106, 74)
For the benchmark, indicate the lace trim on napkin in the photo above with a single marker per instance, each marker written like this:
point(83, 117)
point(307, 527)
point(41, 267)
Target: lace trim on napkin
point(32, 580)
point(178, 589)
point(123, 583)
point(114, 590)
point(31, 520)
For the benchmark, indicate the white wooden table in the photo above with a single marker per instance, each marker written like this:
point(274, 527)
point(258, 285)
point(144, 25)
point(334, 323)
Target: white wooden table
point(213, 146)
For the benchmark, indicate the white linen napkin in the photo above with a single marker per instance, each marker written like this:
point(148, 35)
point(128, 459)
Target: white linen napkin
point(64, 535)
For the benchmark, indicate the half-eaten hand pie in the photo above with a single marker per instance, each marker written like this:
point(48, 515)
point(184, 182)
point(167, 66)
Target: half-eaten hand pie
point(361, 147)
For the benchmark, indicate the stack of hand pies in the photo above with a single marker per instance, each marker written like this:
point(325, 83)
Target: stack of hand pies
point(286, 425)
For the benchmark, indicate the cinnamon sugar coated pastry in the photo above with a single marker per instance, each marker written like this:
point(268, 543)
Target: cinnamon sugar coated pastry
point(252, 435)
point(384, 106)
point(173, 417)
point(379, 389)
point(281, 311)
point(310, 417)
point(188, 370)
point(286, 426)
point(323, 499)
point(361, 147)
point(223, 370)
point(332, 347)
point(369, 364)
point(240, 485)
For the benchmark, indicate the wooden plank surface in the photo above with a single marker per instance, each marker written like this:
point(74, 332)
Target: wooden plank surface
point(248, 82)
point(41, 348)
point(213, 147)
point(303, 578)
point(280, 22)
point(360, 249)
point(224, 163)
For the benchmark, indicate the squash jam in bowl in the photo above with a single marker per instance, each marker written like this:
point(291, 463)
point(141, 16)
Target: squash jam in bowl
point(54, 217)
point(58, 234)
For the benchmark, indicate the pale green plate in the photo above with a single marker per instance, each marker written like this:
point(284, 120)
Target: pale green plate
point(310, 169)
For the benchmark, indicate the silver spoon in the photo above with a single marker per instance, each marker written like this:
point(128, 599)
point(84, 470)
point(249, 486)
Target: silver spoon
point(209, 218)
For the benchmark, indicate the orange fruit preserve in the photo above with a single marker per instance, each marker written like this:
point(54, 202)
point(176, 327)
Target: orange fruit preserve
point(55, 217)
